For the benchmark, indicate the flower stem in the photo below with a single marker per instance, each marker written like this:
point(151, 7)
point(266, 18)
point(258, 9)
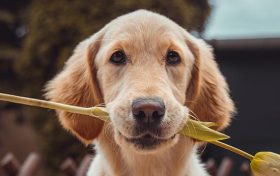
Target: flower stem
point(233, 149)
point(45, 104)
point(96, 112)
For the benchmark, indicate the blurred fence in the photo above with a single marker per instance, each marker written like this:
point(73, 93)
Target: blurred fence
point(226, 168)
point(11, 166)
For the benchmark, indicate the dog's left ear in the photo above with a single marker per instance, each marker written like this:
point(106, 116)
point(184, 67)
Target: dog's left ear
point(77, 85)
point(208, 94)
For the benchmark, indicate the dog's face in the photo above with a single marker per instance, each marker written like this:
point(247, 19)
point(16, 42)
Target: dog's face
point(143, 70)
point(149, 72)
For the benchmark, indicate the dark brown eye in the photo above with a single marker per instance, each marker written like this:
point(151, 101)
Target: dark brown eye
point(172, 58)
point(118, 58)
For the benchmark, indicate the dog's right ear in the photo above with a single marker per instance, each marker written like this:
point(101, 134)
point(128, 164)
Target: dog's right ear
point(208, 93)
point(77, 85)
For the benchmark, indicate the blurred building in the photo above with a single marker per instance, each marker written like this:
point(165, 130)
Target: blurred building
point(245, 35)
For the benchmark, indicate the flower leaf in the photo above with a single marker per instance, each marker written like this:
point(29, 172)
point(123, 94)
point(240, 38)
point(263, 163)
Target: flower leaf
point(200, 131)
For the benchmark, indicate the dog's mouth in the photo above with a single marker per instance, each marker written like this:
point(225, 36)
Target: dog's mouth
point(147, 141)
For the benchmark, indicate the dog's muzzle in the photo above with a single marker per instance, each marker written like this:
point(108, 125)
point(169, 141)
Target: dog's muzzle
point(148, 114)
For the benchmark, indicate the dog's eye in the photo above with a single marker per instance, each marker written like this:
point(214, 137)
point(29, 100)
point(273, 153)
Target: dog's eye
point(118, 58)
point(172, 58)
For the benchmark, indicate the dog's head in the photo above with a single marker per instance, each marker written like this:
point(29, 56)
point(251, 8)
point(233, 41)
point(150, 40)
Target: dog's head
point(151, 74)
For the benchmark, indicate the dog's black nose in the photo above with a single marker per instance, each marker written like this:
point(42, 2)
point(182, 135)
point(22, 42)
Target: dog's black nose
point(148, 110)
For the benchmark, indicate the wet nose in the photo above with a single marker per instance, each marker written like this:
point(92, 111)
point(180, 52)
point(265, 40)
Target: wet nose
point(148, 110)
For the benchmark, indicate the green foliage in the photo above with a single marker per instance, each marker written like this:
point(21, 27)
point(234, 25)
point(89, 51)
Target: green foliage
point(54, 28)
point(10, 21)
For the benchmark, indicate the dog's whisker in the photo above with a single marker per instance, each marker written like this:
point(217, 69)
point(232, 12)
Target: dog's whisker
point(101, 105)
point(194, 117)
point(194, 114)
point(204, 148)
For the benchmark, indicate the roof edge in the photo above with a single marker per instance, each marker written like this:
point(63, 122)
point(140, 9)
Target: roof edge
point(257, 43)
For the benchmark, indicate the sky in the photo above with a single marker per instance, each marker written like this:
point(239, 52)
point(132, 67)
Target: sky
point(244, 19)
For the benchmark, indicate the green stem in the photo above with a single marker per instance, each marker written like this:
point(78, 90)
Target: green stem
point(233, 149)
point(45, 104)
point(97, 112)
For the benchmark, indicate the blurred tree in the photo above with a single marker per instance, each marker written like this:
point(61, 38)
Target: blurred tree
point(11, 27)
point(55, 27)
point(11, 36)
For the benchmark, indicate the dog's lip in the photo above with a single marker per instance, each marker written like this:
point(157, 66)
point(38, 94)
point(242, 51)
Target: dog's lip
point(147, 140)
point(148, 135)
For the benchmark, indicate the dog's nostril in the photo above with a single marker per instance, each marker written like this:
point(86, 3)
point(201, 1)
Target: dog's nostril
point(140, 115)
point(157, 115)
point(148, 110)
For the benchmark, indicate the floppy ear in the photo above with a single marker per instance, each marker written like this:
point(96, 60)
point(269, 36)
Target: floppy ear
point(208, 94)
point(77, 85)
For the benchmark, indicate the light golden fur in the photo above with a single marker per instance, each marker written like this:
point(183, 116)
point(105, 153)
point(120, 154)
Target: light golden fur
point(195, 84)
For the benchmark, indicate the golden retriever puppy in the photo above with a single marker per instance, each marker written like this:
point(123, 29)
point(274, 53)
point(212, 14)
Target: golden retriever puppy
point(152, 75)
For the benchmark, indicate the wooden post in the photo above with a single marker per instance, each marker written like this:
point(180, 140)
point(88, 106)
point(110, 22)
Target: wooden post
point(245, 169)
point(10, 164)
point(225, 167)
point(68, 167)
point(83, 168)
point(211, 166)
point(30, 165)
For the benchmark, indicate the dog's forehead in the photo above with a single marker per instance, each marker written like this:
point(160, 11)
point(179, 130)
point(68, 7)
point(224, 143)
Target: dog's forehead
point(143, 25)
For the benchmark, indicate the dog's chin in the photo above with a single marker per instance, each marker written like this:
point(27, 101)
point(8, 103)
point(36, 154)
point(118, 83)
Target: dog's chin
point(146, 144)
